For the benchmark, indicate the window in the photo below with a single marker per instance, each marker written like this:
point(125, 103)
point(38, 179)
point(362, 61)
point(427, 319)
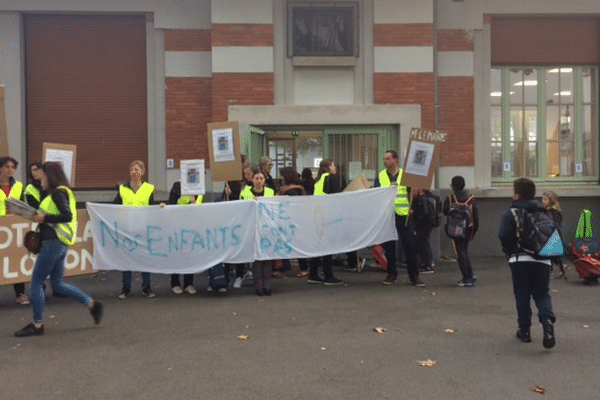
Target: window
point(322, 29)
point(544, 123)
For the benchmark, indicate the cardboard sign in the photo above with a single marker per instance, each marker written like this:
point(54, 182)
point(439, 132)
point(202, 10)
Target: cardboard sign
point(224, 151)
point(3, 126)
point(17, 263)
point(422, 157)
point(65, 155)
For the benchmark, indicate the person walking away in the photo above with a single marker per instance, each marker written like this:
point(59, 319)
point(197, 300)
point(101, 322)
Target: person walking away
point(57, 217)
point(261, 269)
point(530, 276)
point(135, 193)
point(461, 209)
point(426, 209)
point(392, 176)
point(14, 189)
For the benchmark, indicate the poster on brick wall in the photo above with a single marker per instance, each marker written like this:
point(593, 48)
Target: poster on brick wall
point(3, 126)
point(422, 156)
point(224, 151)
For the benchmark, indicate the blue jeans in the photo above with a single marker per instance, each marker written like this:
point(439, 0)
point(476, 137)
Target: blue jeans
point(461, 247)
point(126, 280)
point(532, 279)
point(51, 261)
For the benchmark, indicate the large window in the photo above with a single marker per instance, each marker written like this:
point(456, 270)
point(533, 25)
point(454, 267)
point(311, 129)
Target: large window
point(544, 123)
point(322, 29)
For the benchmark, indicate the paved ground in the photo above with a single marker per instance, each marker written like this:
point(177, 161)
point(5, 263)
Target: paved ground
point(305, 342)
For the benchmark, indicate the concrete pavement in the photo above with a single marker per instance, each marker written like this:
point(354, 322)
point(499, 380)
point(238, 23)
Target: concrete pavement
point(305, 342)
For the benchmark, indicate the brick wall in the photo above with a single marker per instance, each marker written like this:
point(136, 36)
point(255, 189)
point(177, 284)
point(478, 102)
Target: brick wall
point(403, 35)
point(455, 40)
point(188, 110)
point(187, 40)
point(240, 89)
point(456, 117)
point(242, 35)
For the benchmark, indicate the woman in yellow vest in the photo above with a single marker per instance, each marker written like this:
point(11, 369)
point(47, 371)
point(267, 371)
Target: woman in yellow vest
point(33, 191)
point(327, 183)
point(57, 217)
point(137, 193)
point(14, 189)
point(261, 269)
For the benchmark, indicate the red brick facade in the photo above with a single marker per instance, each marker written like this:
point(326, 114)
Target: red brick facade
point(240, 89)
point(403, 35)
point(242, 35)
point(187, 40)
point(455, 40)
point(188, 110)
point(456, 118)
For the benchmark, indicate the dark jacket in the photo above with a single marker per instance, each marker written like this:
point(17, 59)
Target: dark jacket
point(508, 226)
point(462, 196)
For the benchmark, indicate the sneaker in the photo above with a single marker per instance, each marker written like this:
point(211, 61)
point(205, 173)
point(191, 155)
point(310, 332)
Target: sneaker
point(417, 282)
point(465, 283)
point(148, 293)
point(549, 339)
point(426, 270)
point(474, 278)
point(361, 265)
point(97, 311)
point(316, 279)
point(349, 268)
point(23, 300)
point(30, 330)
point(238, 283)
point(524, 335)
point(124, 293)
point(390, 279)
point(333, 281)
point(278, 275)
point(248, 276)
point(190, 289)
point(209, 289)
point(222, 290)
point(177, 289)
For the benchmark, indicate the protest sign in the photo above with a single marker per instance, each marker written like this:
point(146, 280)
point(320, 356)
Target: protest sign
point(193, 238)
point(224, 151)
point(422, 157)
point(17, 263)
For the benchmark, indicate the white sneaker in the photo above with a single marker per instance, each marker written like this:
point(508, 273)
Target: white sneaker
point(238, 282)
point(177, 289)
point(222, 290)
point(190, 290)
point(248, 276)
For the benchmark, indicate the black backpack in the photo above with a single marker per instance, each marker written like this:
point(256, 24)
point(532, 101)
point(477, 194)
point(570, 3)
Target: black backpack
point(459, 220)
point(538, 233)
point(434, 209)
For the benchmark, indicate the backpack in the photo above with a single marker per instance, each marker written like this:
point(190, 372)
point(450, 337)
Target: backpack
point(433, 207)
point(216, 277)
point(538, 233)
point(459, 220)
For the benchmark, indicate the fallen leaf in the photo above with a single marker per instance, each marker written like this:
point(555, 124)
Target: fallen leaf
point(586, 326)
point(379, 329)
point(449, 330)
point(323, 348)
point(539, 389)
point(427, 363)
point(234, 313)
point(243, 337)
point(433, 293)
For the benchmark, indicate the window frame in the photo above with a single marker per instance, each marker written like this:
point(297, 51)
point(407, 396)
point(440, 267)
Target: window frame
point(578, 126)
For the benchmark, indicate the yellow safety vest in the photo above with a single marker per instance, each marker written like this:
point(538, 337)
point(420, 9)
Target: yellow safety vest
point(32, 191)
point(139, 198)
point(320, 185)
point(16, 191)
point(183, 200)
point(65, 231)
point(247, 194)
point(401, 204)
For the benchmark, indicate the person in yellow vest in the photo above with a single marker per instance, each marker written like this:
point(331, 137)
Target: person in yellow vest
point(175, 197)
point(14, 189)
point(136, 193)
point(261, 269)
point(57, 217)
point(392, 176)
point(327, 183)
point(33, 190)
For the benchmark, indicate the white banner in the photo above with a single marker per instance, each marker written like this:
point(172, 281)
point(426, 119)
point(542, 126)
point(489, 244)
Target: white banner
point(193, 238)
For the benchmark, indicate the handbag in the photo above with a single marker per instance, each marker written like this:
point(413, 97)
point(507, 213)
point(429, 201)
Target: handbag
point(33, 241)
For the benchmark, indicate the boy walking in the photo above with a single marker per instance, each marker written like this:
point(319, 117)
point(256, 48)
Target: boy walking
point(530, 276)
point(456, 206)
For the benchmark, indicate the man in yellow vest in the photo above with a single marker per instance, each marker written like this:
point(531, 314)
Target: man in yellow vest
point(392, 175)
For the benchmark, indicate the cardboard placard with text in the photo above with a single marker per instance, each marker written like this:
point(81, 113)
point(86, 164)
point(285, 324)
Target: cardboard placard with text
point(65, 155)
point(224, 150)
point(422, 157)
point(17, 262)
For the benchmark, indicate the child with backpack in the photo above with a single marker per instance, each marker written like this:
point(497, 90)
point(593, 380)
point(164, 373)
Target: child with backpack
point(530, 272)
point(552, 204)
point(462, 222)
point(426, 216)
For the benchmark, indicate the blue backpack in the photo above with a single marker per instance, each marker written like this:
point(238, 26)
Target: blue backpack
point(216, 277)
point(538, 233)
